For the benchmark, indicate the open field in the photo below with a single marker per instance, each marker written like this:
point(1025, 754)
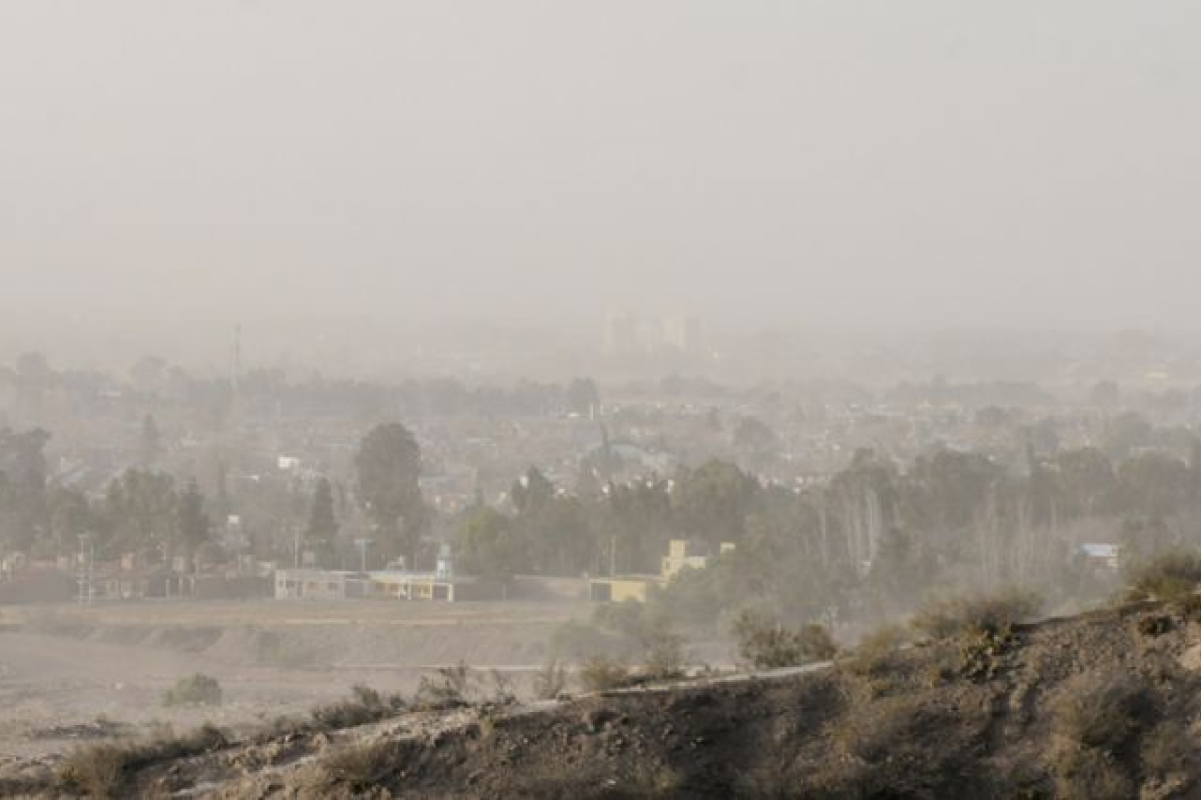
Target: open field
point(64, 667)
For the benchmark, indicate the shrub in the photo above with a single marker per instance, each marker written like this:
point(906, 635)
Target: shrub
point(550, 681)
point(874, 654)
point(104, 770)
point(360, 767)
point(665, 658)
point(195, 690)
point(980, 651)
point(1154, 625)
point(502, 691)
point(451, 688)
point(1166, 751)
point(772, 646)
point(1089, 775)
point(1102, 712)
point(364, 706)
point(1190, 607)
point(601, 674)
point(1170, 576)
point(942, 619)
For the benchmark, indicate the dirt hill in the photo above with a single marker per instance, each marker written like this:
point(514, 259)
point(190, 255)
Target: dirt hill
point(1098, 706)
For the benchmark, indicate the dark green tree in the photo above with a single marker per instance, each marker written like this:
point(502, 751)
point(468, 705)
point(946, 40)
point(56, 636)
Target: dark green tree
point(388, 468)
point(150, 447)
point(193, 527)
point(322, 528)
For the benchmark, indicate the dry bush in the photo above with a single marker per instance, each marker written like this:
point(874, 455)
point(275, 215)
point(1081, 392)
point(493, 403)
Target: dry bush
point(550, 681)
point(771, 646)
point(104, 770)
point(502, 691)
point(1154, 625)
point(874, 655)
point(1171, 576)
point(1190, 607)
point(195, 690)
point(365, 705)
point(665, 658)
point(451, 688)
point(944, 618)
point(981, 649)
point(1083, 774)
point(359, 767)
point(601, 674)
point(1166, 751)
point(1103, 712)
point(875, 731)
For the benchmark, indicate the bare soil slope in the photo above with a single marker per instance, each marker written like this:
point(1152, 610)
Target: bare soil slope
point(1103, 705)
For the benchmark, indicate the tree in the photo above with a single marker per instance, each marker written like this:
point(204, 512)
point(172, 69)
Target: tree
point(712, 501)
point(582, 395)
point(388, 467)
point(150, 447)
point(322, 529)
point(140, 513)
point(193, 528)
point(489, 544)
point(23, 488)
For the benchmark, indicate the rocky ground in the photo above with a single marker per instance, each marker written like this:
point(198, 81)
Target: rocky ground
point(1099, 706)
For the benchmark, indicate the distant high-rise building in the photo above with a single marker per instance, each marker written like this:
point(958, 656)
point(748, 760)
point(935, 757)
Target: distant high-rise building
point(621, 334)
point(679, 332)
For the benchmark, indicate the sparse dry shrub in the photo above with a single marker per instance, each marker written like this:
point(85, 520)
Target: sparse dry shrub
point(875, 652)
point(1154, 625)
point(1084, 774)
point(981, 649)
point(502, 691)
point(104, 770)
point(1102, 712)
point(550, 681)
point(1189, 607)
point(1171, 576)
point(602, 674)
point(944, 618)
point(194, 690)
point(771, 646)
point(1166, 751)
point(665, 658)
point(365, 705)
point(450, 688)
point(360, 766)
point(880, 728)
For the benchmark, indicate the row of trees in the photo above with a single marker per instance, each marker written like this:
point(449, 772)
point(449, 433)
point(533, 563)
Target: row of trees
point(150, 513)
point(874, 536)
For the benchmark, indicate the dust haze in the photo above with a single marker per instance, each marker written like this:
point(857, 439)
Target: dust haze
point(384, 378)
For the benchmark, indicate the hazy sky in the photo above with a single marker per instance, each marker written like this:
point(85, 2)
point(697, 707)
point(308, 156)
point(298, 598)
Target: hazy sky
point(847, 164)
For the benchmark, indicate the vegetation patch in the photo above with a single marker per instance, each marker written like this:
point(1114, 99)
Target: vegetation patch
point(1171, 576)
point(195, 690)
point(103, 770)
point(767, 645)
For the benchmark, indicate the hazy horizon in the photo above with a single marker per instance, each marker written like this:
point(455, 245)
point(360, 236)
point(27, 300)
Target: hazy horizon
point(172, 169)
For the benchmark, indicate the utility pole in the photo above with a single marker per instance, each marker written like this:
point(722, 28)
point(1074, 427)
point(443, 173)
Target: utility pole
point(83, 570)
point(362, 545)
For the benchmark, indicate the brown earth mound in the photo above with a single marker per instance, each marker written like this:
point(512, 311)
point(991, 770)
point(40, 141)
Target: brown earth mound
point(1099, 706)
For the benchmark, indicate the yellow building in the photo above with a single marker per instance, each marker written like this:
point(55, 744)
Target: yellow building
point(681, 554)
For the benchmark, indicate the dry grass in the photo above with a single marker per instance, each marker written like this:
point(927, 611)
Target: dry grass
point(359, 767)
point(550, 681)
point(364, 706)
point(1171, 576)
point(944, 618)
point(602, 674)
point(195, 690)
point(104, 770)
